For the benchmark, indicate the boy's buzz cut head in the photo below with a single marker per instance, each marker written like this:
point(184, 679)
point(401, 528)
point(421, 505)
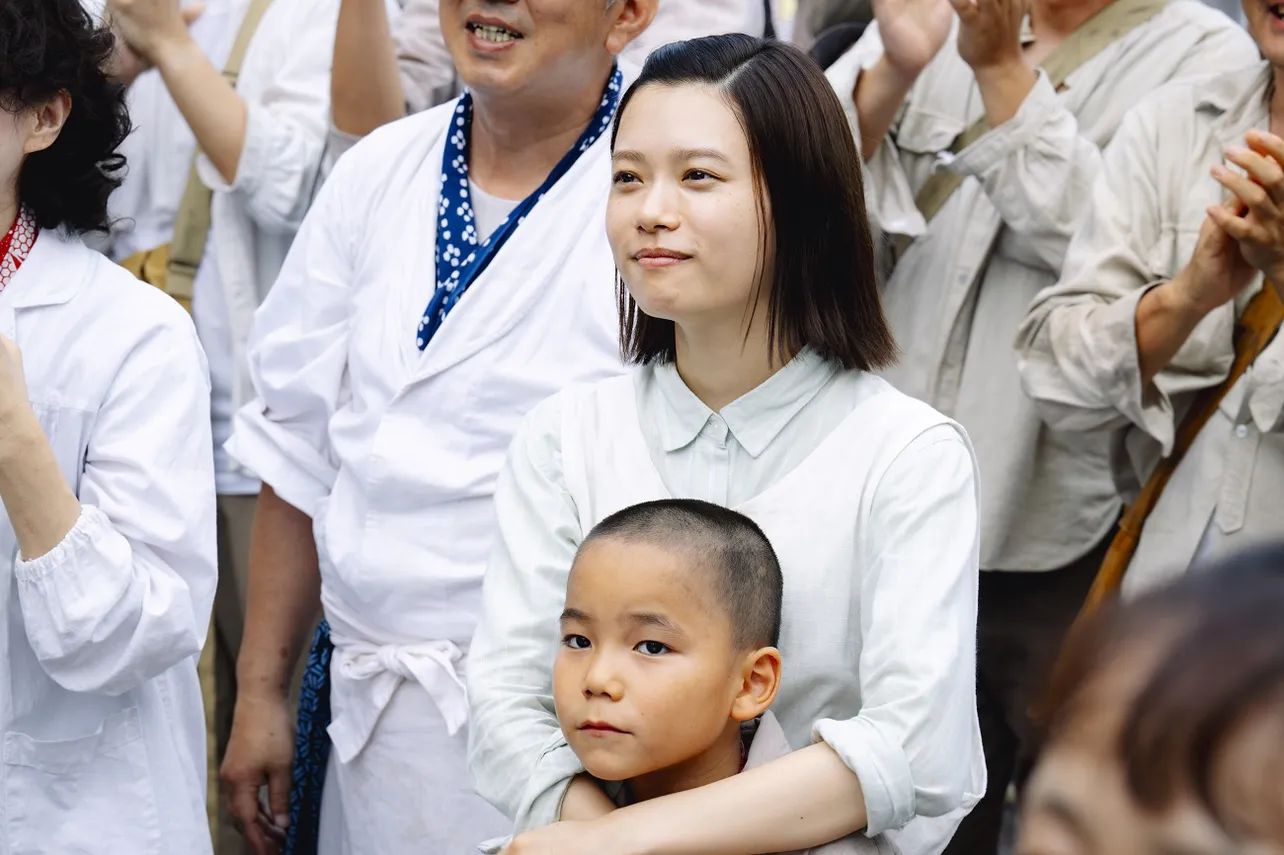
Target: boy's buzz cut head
point(746, 572)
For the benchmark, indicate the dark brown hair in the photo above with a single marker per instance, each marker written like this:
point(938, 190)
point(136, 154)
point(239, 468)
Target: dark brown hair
point(824, 290)
point(1219, 636)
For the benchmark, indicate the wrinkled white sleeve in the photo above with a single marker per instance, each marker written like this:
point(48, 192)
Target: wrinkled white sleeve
point(288, 123)
point(1038, 170)
point(127, 594)
point(1077, 348)
point(426, 67)
point(298, 350)
point(519, 759)
point(915, 746)
point(889, 194)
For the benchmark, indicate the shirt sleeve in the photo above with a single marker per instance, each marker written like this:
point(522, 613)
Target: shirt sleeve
point(519, 759)
point(915, 746)
point(1077, 348)
point(298, 351)
point(1038, 170)
point(889, 194)
point(423, 60)
point(127, 594)
point(287, 122)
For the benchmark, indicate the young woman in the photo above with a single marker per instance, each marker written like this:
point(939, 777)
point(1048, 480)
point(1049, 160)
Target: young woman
point(749, 306)
point(106, 477)
point(1166, 723)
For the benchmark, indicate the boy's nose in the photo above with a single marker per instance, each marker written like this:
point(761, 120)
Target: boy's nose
point(602, 680)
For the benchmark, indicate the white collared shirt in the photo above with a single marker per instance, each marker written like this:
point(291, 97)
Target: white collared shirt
point(870, 500)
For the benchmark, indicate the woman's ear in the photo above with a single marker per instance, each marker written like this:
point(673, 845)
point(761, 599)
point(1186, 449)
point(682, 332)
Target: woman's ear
point(47, 121)
point(759, 685)
point(629, 21)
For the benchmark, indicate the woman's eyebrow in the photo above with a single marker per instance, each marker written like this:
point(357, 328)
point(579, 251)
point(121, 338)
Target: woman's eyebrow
point(701, 154)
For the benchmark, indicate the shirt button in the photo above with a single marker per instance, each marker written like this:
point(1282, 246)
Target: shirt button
point(1241, 431)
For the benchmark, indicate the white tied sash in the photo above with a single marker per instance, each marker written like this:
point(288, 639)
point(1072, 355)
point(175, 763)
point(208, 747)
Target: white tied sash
point(365, 675)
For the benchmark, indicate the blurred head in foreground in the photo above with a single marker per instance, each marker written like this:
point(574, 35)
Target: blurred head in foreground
point(1165, 723)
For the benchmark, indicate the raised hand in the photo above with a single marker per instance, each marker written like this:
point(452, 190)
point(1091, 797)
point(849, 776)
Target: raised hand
point(913, 32)
point(1258, 224)
point(990, 32)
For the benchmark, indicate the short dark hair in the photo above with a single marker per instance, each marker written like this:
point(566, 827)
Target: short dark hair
point(52, 46)
point(1220, 664)
point(748, 581)
point(824, 288)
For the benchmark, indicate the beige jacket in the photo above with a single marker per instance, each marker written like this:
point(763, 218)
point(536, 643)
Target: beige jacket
point(1047, 495)
point(1078, 347)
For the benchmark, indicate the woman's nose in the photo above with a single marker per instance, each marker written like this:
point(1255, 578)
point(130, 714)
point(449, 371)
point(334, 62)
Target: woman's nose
point(658, 208)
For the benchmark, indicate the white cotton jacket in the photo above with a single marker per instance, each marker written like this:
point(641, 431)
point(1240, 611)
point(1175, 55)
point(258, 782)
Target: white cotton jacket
point(285, 83)
point(100, 706)
point(393, 452)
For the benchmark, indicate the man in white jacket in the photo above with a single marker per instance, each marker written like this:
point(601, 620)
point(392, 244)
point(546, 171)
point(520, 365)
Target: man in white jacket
point(453, 273)
point(259, 144)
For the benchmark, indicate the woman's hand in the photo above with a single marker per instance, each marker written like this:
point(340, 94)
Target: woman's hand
point(913, 32)
point(1259, 226)
point(149, 26)
point(15, 408)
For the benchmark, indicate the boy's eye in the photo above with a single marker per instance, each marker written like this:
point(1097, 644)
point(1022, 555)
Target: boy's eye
point(652, 648)
point(576, 642)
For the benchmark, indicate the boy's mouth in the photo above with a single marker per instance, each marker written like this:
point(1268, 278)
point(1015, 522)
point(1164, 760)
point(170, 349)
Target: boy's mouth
point(600, 727)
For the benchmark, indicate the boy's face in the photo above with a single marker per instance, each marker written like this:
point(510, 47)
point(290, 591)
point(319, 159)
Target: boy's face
point(647, 677)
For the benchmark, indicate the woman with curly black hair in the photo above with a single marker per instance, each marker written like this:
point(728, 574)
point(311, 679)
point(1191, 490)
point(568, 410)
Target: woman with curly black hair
point(106, 479)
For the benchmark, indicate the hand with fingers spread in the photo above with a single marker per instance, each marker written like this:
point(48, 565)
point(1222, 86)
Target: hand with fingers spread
point(990, 32)
point(913, 32)
point(260, 753)
point(1258, 226)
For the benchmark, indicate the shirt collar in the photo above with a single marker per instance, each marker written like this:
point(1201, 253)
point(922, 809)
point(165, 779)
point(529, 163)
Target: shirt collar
point(1235, 93)
point(755, 418)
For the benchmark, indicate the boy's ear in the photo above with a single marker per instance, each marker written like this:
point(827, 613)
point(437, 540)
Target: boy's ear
point(761, 682)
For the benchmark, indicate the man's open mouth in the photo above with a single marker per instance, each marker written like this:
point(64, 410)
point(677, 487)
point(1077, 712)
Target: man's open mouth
point(493, 33)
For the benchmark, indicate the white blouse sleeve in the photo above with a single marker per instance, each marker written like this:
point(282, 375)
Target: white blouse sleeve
point(916, 746)
point(519, 759)
point(288, 119)
point(127, 594)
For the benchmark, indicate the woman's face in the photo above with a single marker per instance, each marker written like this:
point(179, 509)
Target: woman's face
point(1079, 803)
point(1267, 29)
point(683, 216)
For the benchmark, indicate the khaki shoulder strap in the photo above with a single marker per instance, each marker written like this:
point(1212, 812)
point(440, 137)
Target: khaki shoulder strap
point(192, 223)
point(1256, 327)
point(1091, 38)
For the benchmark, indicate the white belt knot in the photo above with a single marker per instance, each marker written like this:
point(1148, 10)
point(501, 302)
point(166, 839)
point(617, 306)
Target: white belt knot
point(366, 675)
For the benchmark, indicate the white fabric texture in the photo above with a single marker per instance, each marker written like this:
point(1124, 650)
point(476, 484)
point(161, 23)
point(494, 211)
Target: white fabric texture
point(870, 500)
point(101, 712)
point(395, 453)
point(1078, 346)
point(955, 305)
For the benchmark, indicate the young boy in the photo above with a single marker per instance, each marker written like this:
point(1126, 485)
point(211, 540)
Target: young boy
point(668, 662)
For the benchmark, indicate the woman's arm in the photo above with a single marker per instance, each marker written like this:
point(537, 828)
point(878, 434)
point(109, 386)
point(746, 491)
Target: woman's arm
point(116, 587)
point(912, 751)
point(519, 759)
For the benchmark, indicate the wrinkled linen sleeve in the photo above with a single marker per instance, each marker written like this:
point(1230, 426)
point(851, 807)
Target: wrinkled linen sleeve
point(889, 194)
point(915, 746)
point(287, 125)
point(423, 60)
point(127, 594)
point(298, 351)
point(519, 759)
point(1039, 170)
point(1077, 348)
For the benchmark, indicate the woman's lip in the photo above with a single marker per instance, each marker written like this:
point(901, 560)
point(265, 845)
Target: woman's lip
point(659, 262)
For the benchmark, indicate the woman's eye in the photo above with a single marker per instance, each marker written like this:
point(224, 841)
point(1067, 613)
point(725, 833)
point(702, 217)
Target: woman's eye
point(697, 175)
point(623, 177)
point(652, 648)
point(576, 642)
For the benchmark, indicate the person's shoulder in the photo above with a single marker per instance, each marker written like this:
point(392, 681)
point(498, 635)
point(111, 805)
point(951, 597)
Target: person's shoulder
point(1199, 16)
point(391, 148)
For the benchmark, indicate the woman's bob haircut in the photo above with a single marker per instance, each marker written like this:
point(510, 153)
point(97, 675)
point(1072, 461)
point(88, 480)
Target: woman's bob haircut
point(823, 286)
